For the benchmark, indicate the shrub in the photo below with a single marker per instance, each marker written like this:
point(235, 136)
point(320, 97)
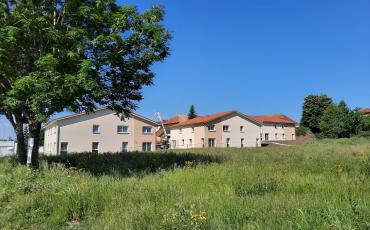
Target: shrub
point(301, 130)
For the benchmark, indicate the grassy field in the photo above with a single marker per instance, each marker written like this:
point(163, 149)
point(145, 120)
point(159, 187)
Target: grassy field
point(320, 185)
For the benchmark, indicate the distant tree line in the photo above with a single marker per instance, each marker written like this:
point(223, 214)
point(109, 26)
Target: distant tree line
point(326, 119)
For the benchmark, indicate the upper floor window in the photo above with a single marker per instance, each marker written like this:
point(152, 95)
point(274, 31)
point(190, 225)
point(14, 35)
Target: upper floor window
point(275, 126)
point(282, 125)
point(226, 128)
point(211, 128)
point(242, 129)
point(180, 130)
point(192, 129)
point(96, 129)
point(122, 129)
point(147, 129)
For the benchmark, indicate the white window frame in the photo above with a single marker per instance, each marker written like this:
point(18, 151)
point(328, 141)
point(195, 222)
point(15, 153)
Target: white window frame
point(180, 130)
point(147, 146)
point(123, 127)
point(96, 131)
point(190, 142)
point(227, 142)
point(173, 143)
point(242, 130)
point(226, 130)
point(146, 127)
point(95, 150)
point(123, 149)
point(214, 142)
point(242, 143)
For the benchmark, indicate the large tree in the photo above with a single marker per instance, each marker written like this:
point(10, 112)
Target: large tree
point(75, 55)
point(313, 108)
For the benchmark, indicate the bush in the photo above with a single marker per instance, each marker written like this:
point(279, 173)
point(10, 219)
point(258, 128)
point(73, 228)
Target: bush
point(301, 131)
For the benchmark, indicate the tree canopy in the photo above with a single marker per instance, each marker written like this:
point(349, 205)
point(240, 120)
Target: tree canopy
point(192, 113)
point(313, 108)
point(75, 55)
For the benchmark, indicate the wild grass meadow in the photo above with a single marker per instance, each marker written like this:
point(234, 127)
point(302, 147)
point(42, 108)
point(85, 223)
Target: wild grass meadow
point(319, 185)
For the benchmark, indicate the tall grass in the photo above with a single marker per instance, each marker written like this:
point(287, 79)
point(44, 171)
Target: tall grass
point(320, 185)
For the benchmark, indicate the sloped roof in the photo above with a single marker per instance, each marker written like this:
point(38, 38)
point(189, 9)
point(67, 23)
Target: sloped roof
point(274, 118)
point(212, 117)
point(97, 110)
point(365, 111)
point(176, 119)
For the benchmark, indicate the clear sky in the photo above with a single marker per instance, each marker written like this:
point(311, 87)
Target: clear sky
point(258, 56)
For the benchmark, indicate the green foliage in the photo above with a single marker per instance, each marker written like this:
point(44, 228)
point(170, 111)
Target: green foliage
point(75, 55)
point(192, 113)
point(313, 108)
point(366, 123)
point(301, 130)
point(320, 185)
point(339, 121)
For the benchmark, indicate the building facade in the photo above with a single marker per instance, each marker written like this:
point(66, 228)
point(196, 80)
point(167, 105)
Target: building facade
point(276, 127)
point(226, 129)
point(101, 131)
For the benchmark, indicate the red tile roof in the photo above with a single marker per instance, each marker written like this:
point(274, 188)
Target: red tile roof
point(274, 118)
point(209, 118)
point(159, 133)
point(175, 119)
point(365, 111)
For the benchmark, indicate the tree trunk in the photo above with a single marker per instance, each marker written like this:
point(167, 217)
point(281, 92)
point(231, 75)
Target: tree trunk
point(21, 144)
point(16, 119)
point(35, 128)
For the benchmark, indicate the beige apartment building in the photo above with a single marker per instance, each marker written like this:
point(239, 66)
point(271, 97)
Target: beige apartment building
point(276, 127)
point(101, 131)
point(226, 129)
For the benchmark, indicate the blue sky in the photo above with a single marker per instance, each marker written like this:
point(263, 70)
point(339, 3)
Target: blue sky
point(258, 56)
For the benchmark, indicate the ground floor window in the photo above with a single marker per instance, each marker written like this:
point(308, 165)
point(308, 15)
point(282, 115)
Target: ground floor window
point(266, 136)
point(173, 144)
point(203, 144)
point(64, 147)
point(211, 142)
point(228, 142)
point(190, 143)
point(147, 146)
point(242, 143)
point(124, 147)
point(95, 147)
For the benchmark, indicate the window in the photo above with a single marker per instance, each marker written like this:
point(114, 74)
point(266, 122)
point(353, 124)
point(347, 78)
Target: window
point(266, 136)
point(211, 142)
point(228, 142)
point(174, 144)
point(283, 136)
point(293, 137)
point(242, 143)
point(96, 129)
point(242, 129)
point(63, 147)
point(276, 136)
point(147, 146)
point(282, 126)
point(95, 147)
point(211, 128)
point(147, 129)
point(122, 129)
point(203, 144)
point(124, 146)
point(192, 129)
point(190, 142)
point(180, 131)
point(226, 128)
point(275, 126)
point(183, 142)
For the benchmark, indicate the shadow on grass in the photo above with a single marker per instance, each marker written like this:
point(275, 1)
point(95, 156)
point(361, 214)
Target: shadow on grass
point(130, 164)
